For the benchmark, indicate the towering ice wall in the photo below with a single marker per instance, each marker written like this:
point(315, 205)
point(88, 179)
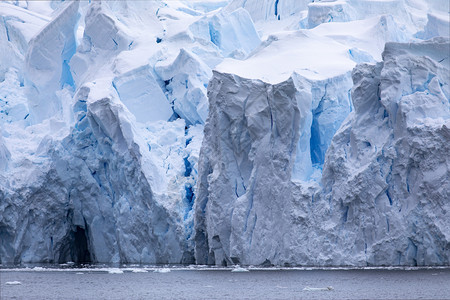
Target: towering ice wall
point(244, 131)
point(383, 196)
point(101, 111)
point(387, 169)
point(86, 180)
point(92, 197)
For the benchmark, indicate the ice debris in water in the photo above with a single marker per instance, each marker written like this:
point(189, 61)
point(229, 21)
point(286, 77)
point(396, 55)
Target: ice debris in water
point(162, 270)
point(315, 289)
point(13, 283)
point(239, 269)
point(137, 270)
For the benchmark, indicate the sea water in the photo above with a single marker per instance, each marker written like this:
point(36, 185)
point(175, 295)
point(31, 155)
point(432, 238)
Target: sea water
point(168, 282)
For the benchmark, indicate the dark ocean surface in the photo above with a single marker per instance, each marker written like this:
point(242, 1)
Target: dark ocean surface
point(140, 282)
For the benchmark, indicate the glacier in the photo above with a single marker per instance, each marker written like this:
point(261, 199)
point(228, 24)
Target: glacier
point(382, 198)
point(272, 132)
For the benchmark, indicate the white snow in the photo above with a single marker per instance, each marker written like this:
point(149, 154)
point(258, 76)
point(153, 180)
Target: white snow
point(303, 52)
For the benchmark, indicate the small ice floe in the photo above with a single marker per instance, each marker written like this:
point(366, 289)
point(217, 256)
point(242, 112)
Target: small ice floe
point(239, 269)
point(138, 270)
point(115, 271)
point(79, 273)
point(13, 283)
point(315, 289)
point(162, 270)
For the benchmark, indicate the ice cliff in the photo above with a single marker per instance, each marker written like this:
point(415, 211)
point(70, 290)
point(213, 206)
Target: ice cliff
point(384, 192)
point(224, 131)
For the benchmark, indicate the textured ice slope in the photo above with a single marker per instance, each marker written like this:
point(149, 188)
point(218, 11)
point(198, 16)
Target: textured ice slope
point(47, 59)
point(99, 144)
point(271, 117)
point(90, 179)
point(389, 179)
point(384, 192)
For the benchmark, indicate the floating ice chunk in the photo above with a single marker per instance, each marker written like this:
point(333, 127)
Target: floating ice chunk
point(115, 271)
point(13, 283)
point(162, 270)
point(142, 95)
point(138, 270)
point(239, 269)
point(315, 289)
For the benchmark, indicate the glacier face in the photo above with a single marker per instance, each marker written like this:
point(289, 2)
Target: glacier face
point(224, 132)
point(383, 196)
point(390, 180)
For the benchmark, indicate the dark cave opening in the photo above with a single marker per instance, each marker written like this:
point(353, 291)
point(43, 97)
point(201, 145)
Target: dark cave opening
point(75, 247)
point(80, 250)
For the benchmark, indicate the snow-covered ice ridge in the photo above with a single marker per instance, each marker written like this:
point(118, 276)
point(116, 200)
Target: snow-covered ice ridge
point(273, 132)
